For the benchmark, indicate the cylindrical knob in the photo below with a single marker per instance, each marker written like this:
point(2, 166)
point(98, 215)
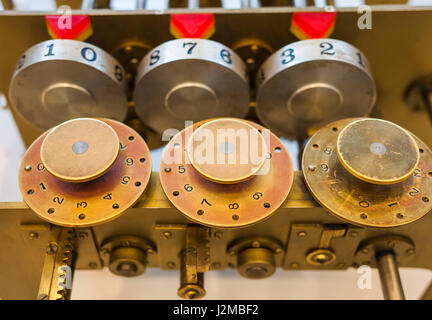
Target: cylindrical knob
point(256, 263)
point(80, 150)
point(237, 150)
point(377, 151)
point(128, 261)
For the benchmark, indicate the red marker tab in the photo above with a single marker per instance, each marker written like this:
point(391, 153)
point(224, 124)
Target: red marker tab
point(192, 25)
point(69, 27)
point(313, 25)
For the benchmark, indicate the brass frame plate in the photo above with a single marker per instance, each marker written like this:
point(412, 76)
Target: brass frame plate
point(90, 203)
point(359, 202)
point(225, 205)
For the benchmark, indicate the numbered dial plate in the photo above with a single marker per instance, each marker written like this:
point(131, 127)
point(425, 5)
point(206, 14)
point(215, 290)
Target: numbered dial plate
point(89, 203)
point(310, 83)
point(190, 79)
point(225, 205)
point(360, 202)
point(58, 80)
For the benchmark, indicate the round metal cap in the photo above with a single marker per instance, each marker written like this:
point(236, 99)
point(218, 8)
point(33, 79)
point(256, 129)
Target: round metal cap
point(80, 150)
point(377, 151)
point(234, 150)
point(310, 83)
point(58, 80)
point(190, 79)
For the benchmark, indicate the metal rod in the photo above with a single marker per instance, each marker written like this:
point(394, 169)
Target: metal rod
point(193, 4)
point(7, 4)
point(389, 275)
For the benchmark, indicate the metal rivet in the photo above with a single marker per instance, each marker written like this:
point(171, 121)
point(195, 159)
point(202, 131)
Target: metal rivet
point(167, 235)
point(92, 265)
point(294, 265)
point(33, 235)
point(256, 244)
point(301, 234)
point(27, 168)
point(311, 168)
point(171, 265)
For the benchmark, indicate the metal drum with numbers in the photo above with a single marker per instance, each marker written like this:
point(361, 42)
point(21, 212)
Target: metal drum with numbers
point(190, 79)
point(310, 83)
point(58, 80)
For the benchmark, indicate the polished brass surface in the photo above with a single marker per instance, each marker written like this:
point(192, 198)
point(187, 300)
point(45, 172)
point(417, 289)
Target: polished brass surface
point(80, 150)
point(96, 201)
point(237, 163)
point(377, 151)
point(357, 201)
point(225, 205)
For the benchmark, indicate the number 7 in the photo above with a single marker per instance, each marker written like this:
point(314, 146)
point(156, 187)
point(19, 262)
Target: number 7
point(192, 46)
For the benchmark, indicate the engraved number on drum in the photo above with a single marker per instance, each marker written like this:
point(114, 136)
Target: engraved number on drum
point(118, 73)
point(190, 46)
point(42, 186)
point(125, 180)
point(108, 196)
point(204, 201)
point(81, 204)
point(21, 61)
point(257, 195)
point(188, 187)
point(181, 169)
point(328, 48)
point(40, 167)
point(413, 192)
point(58, 200)
point(154, 57)
point(392, 204)
point(360, 59)
point(88, 54)
point(287, 56)
point(233, 206)
point(129, 162)
point(364, 204)
point(226, 56)
point(328, 150)
point(324, 168)
point(50, 50)
point(417, 173)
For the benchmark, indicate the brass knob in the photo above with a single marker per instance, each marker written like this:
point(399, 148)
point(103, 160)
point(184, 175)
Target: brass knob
point(377, 151)
point(237, 152)
point(128, 261)
point(256, 263)
point(80, 150)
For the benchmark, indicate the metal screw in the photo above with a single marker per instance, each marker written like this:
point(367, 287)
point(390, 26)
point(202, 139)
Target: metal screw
point(353, 234)
point(52, 248)
point(27, 168)
point(301, 234)
point(294, 265)
point(126, 243)
point(191, 294)
point(167, 169)
point(170, 265)
point(256, 244)
point(92, 265)
point(167, 234)
point(278, 250)
point(410, 251)
point(105, 251)
point(218, 234)
point(365, 250)
point(33, 235)
point(390, 244)
point(311, 168)
point(232, 252)
point(149, 251)
point(83, 235)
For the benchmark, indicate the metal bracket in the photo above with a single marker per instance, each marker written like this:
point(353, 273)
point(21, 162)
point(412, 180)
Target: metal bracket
point(321, 246)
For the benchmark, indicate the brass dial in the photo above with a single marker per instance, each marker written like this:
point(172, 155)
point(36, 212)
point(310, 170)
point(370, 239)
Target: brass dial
point(369, 172)
point(226, 194)
point(84, 172)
